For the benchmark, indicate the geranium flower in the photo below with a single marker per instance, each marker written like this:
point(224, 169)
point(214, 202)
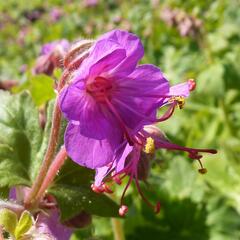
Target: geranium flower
point(110, 99)
point(128, 159)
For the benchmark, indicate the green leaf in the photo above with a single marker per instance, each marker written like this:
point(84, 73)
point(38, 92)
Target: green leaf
point(8, 219)
point(41, 88)
point(72, 200)
point(24, 224)
point(73, 193)
point(73, 174)
point(20, 139)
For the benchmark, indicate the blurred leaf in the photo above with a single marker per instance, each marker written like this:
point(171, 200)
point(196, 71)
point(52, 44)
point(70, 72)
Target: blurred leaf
point(20, 139)
point(4, 191)
point(41, 87)
point(210, 81)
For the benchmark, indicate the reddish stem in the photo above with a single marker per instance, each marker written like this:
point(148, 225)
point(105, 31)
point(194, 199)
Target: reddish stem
point(52, 172)
point(51, 149)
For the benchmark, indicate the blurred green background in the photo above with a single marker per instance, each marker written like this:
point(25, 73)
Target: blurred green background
point(187, 39)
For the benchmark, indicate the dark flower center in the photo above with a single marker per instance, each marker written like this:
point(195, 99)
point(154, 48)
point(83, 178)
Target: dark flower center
point(100, 89)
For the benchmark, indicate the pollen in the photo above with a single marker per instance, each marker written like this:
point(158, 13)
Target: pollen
point(149, 146)
point(180, 101)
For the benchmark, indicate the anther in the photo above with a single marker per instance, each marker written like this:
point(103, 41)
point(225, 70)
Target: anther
point(202, 170)
point(123, 210)
point(179, 99)
point(97, 189)
point(149, 146)
point(192, 84)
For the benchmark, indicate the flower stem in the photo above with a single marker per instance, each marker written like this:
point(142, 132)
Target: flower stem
point(53, 141)
point(118, 231)
point(1, 233)
point(52, 172)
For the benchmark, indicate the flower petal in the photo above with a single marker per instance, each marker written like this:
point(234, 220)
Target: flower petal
point(77, 105)
point(104, 55)
point(117, 164)
point(134, 50)
point(136, 96)
point(181, 89)
point(50, 227)
point(89, 152)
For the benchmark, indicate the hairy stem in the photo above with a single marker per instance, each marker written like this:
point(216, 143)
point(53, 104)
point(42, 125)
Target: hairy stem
point(52, 144)
point(53, 170)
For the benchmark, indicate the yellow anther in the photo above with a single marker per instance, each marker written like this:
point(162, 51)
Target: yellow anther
point(179, 99)
point(149, 146)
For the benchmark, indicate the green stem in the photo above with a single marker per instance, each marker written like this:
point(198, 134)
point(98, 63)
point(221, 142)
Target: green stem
point(117, 225)
point(118, 230)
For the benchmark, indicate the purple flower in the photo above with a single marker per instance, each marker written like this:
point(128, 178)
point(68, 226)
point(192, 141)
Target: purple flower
point(110, 99)
point(128, 159)
point(51, 57)
point(48, 225)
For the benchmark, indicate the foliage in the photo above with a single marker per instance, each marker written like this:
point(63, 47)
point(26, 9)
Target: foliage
point(193, 206)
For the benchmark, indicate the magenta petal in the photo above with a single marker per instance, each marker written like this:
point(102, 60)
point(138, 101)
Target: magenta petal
point(134, 50)
point(49, 226)
point(121, 157)
point(181, 89)
point(101, 173)
point(90, 152)
point(77, 105)
point(117, 164)
point(104, 55)
point(134, 96)
point(72, 100)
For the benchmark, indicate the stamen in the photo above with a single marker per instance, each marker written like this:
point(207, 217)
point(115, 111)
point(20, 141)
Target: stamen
point(122, 124)
point(106, 188)
point(165, 116)
point(149, 146)
point(117, 179)
point(179, 99)
point(202, 170)
point(97, 189)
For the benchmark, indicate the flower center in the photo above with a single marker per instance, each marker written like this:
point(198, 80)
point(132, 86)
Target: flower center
point(100, 89)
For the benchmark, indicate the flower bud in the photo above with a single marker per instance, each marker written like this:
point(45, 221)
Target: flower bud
point(77, 53)
point(123, 210)
point(155, 132)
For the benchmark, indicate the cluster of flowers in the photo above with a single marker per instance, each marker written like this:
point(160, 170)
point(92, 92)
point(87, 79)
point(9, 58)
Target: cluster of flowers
point(187, 25)
point(111, 104)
